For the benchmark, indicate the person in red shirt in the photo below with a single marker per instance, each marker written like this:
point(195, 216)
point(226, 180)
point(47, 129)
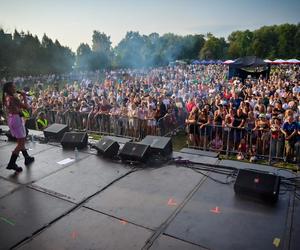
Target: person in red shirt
point(227, 95)
point(190, 105)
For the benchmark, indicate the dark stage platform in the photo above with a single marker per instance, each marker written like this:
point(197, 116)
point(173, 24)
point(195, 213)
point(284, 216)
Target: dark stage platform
point(94, 203)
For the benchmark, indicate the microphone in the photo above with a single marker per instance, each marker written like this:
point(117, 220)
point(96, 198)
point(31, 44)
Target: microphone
point(22, 93)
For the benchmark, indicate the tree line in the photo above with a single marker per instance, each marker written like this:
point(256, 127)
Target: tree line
point(23, 54)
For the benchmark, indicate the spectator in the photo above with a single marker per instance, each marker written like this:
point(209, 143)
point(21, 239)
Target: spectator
point(289, 129)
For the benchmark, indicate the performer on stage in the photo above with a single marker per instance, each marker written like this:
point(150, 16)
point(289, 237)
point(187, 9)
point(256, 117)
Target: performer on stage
point(13, 106)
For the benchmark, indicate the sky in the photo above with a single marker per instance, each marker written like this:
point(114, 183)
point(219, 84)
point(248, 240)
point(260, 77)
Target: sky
point(72, 22)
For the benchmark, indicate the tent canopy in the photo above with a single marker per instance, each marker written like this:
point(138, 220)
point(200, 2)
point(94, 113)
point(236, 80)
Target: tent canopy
point(228, 61)
point(293, 61)
point(279, 61)
point(249, 65)
point(196, 62)
point(248, 61)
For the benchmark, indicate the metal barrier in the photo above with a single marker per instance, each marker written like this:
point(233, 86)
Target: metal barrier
point(117, 125)
point(170, 123)
point(244, 143)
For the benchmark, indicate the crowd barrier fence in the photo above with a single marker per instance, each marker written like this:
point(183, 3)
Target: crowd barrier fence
point(117, 125)
point(244, 143)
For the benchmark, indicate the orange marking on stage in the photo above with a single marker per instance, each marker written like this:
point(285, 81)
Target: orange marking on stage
point(216, 210)
point(172, 202)
point(74, 235)
point(123, 222)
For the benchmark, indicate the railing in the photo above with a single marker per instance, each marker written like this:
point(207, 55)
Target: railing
point(117, 125)
point(244, 143)
point(170, 123)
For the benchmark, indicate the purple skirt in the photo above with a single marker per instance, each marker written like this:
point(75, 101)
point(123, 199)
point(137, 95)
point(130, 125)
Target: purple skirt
point(16, 126)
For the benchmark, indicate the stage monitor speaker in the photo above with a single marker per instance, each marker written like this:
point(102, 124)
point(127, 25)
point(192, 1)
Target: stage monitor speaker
point(158, 144)
point(55, 131)
point(135, 152)
point(107, 147)
point(118, 139)
point(74, 140)
point(257, 184)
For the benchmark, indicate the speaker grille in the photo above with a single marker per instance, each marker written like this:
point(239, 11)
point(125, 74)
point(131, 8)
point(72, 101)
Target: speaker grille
point(135, 152)
point(74, 139)
point(107, 148)
point(158, 144)
point(56, 131)
point(257, 184)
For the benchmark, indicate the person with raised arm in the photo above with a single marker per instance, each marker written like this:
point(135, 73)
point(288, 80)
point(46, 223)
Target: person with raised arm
point(13, 106)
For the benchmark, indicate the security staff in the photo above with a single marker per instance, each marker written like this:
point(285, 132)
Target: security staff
point(41, 122)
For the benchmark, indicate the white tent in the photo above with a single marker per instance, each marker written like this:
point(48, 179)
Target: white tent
point(293, 61)
point(279, 61)
point(228, 61)
point(268, 61)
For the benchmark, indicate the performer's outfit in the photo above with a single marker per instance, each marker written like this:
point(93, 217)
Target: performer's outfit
point(17, 129)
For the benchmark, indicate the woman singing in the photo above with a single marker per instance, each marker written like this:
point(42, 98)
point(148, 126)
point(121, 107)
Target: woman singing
point(13, 106)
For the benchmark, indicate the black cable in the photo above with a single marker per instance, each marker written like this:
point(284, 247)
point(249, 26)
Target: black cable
point(211, 169)
point(211, 178)
point(215, 180)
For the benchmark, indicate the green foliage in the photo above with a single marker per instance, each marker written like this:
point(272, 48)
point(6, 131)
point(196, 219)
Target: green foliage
point(83, 58)
point(277, 41)
point(213, 48)
point(23, 54)
point(102, 51)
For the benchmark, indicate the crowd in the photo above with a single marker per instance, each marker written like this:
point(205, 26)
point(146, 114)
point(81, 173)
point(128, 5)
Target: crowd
point(251, 117)
point(257, 117)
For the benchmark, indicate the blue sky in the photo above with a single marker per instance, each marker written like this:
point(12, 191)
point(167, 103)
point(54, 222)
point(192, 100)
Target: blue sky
point(73, 21)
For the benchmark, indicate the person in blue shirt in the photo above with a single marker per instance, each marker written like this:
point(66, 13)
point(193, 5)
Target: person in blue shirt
point(289, 129)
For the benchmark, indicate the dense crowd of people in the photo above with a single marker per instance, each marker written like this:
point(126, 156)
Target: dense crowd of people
point(250, 117)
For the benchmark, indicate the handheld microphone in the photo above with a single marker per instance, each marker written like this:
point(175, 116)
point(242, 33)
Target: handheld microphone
point(22, 93)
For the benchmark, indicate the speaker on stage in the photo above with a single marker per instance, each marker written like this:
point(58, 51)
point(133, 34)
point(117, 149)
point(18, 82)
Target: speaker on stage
point(56, 131)
point(74, 140)
point(107, 147)
point(158, 144)
point(135, 152)
point(258, 185)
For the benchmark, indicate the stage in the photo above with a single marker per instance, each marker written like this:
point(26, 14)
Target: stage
point(95, 203)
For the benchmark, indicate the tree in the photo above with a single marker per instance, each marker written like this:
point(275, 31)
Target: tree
point(286, 45)
point(297, 42)
point(213, 48)
point(102, 51)
point(265, 42)
point(191, 45)
point(6, 53)
point(131, 50)
point(84, 57)
point(240, 44)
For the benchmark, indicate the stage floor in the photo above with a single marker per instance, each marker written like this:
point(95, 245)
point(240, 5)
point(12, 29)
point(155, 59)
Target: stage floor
point(95, 203)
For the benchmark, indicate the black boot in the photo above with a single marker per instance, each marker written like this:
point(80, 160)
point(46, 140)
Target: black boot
point(12, 163)
point(28, 159)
